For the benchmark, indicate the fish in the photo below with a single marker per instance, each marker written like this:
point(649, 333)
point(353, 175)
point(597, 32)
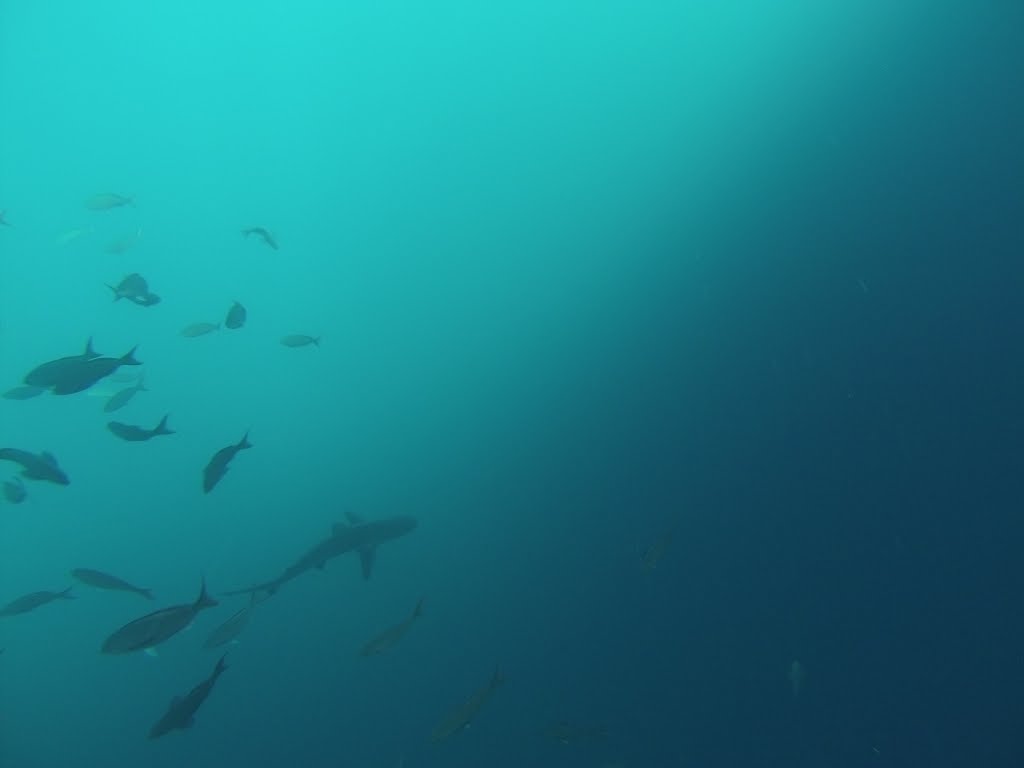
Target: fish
point(460, 717)
point(236, 317)
point(134, 434)
point(14, 491)
point(218, 465)
point(131, 286)
point(72, 234)
point(263, 234)
point(651, 555)
point(199, 329)
point(85, 373)
point(146, 300)
point(3, 219)
point(121, 398)
point(233, 627)
point(390, 636)
point(30, 602)
point(155, 628)
point(121, 244)
point(565, 732)
point(25, 392)
point(105, 201)
point(181, 711)
point(300, 340)
point(102, 580)
point(36, 466)
point(47, 374)
point(354, 536)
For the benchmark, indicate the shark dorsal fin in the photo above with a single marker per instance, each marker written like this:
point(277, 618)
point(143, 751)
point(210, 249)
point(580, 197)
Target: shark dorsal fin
point(353, 518)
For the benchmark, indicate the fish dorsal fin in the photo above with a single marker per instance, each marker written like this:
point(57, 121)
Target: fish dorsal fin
point(367, 555)
point(353, 518)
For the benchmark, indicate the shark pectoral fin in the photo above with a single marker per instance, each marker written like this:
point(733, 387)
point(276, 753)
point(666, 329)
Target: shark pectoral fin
point(366, 557)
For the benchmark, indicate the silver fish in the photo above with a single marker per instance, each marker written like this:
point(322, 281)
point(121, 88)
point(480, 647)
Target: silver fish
point(25, 392)
point(102, 580)
point(460, 717)
point(199, 329)
point(120, 399)
point(30, 602)
point(154, 628)
point(300, 340)
point(390, 636)
point(182, 709)
point(105, 201)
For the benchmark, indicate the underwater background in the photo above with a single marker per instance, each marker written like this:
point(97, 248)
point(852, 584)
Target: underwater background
point(689, 332)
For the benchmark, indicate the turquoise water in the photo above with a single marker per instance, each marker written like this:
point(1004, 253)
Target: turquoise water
point(582, 274)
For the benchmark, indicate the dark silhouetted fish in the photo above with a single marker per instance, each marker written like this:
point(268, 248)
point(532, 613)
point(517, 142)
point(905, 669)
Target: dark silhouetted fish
point(236, 317)
point(263, 234)
point(36, 466)
point(120, 399)
point(300, 340)
point(199, 329)
point(157, 627)
point(14, 491)
point(133, 286)
point(30, 602)
point(181, 712)
point(358, 536)
point(218, 466)
point(134, 434)
point(79, 376)
point(390, 636)
point(26, 392)
point(104, 201)
point(49, 373)
point(102, 580)
point(461, 716)
point(233, 627)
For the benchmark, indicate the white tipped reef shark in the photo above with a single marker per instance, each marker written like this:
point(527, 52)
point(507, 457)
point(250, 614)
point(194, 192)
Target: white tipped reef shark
point(355, 536)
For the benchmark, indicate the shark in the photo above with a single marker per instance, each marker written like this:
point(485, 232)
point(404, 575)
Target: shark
point(354, 535)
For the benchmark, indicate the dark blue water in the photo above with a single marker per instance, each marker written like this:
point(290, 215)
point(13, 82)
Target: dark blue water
point(583, 274)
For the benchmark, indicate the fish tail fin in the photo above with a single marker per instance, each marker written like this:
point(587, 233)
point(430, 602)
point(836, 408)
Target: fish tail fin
point(316, 341)
point(204, 600)
point(140, 385)
point(221, 665)
point(117, 296)
point(162, 428)
point(129, 358)
point(244, 442)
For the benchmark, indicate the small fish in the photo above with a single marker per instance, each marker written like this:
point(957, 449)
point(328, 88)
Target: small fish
point(120, 399)
point(36, 466)
point(300, 340)
point(30, 602)
point(133, 286)
point(25, 392)
point(262, 234)
point(154, 628)
point(460, 717)
point(390, 636)
point(134, 434)
point(105, 201)
point(199, 329)
point(236, 317)
point(48, 374)
point(102, 580)
point(3, 219)
point(651, 555)
point(233, 627)
point(14, 491)
point(72, 234)
point(85, 373)
point(181, 711)
point(218, 465)
point(121, 244)
point(566, 733)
